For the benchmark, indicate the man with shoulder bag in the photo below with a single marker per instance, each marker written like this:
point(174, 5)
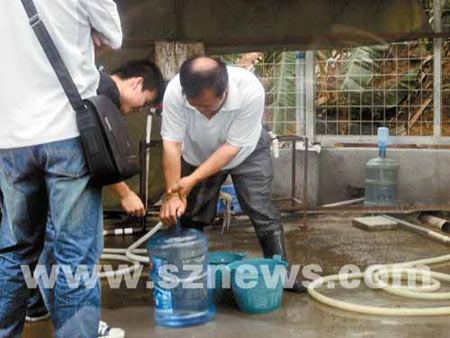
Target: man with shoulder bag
point(132, 86)
point(43, 167)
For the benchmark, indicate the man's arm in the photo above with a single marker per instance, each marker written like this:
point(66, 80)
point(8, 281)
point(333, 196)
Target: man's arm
point(178, 189)
point(215, 163)
point(174, 206)
point(173, 130)
point(171, 163)
point(105, 21)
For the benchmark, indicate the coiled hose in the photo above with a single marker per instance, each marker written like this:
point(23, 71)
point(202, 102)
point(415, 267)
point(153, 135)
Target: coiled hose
point(393, 270)
point(134, 256)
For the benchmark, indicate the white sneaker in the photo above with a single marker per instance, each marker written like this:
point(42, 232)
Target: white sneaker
point(104, 331)
point(37, 317)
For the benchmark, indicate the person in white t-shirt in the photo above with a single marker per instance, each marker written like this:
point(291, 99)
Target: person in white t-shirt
point(42, 165)
point(132, 86)
point(211, 128)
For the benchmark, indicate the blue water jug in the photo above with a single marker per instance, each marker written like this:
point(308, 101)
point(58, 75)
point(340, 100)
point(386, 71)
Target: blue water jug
point(180, 274)
point(381, 175)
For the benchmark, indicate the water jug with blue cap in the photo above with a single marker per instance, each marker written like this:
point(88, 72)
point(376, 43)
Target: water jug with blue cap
point(179, 273)
point(381, 175)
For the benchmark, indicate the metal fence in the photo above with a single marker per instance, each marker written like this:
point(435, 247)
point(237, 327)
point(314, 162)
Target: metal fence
point(445, 89)
point(361, 89)
point(357, 90)
point(445, 85)
point(279, 72)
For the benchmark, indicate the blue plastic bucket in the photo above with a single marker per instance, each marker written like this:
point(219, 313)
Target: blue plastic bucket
point(218, 262)
point(257, 284)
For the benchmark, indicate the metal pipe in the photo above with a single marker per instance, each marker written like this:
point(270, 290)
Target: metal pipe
point(360, 209)
point(305, 178)
point(420, 230)
point(343, 203)
point(294, 172)
point(142, 179)
point(147, 156)
point(144, 151)
point(300, 68)
point(310, 95)
point(437, 70)
point(437, 222)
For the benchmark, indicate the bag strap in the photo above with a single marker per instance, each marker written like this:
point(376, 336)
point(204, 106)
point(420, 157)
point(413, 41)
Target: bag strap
point(54, 57)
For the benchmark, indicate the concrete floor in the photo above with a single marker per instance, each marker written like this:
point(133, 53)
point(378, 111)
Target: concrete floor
point(331, 242)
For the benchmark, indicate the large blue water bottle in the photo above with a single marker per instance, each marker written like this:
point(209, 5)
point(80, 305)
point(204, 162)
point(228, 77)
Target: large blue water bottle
point(179, 275)
point(381, 175)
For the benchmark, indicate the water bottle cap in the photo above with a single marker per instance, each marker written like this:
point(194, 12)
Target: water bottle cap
point(276, 257)
point(383, 136)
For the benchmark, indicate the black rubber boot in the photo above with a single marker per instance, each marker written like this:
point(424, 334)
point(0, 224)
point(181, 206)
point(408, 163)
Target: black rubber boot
point(272, 243)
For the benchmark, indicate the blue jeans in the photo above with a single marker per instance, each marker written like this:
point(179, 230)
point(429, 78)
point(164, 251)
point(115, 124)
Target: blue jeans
point(42, 298)
point(36, 181)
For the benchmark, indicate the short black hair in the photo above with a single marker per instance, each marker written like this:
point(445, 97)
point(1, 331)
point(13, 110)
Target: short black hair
point(149, 71)
point(193, 83)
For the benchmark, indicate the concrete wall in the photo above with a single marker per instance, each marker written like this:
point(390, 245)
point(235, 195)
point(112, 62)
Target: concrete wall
point(337, 174)
point(281, 186)
point(424, 174)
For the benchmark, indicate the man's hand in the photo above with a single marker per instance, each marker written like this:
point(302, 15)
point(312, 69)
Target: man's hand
point(129, 201)
point(96, 39)
point(172, 208)
point(132, 204)
point(184, 187)
point(101, 48)
point(176, 200)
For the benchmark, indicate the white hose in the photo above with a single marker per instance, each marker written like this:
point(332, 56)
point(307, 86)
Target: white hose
point(423, 292)
point(130, 251)
point(121, 271)
point(135, 256)
point(131, 255)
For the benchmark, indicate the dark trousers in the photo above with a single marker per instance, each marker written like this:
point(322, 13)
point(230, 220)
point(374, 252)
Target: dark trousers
point(251, 180)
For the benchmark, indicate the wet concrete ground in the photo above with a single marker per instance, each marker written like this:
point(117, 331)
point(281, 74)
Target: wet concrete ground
point(330, 242)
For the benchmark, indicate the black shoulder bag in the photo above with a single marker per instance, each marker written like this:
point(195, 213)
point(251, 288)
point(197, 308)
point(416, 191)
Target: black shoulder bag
point(105, 139)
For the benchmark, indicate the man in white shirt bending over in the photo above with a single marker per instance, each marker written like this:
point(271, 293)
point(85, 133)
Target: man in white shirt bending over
point(212, 128)
point(42, 165)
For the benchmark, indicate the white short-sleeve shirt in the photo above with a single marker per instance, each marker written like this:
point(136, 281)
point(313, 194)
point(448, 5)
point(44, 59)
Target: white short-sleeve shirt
point(238, 122)
point(34, 107)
